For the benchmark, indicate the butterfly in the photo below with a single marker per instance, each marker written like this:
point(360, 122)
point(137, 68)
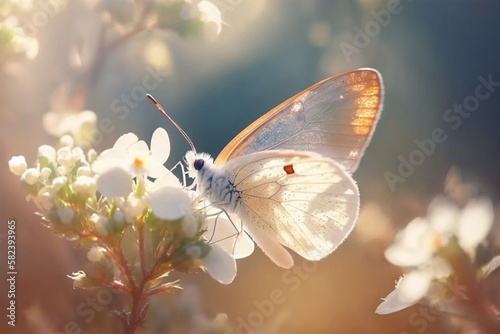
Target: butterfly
point(287, 176)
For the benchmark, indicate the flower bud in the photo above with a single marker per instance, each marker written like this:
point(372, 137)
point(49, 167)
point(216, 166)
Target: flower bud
point(100, 224)
point(47, 151)
point(66, 215)
point(85, 185)
point(17, 165)
point(30, 176)
point(95, 254)
point(66, 141)
point(58, 183)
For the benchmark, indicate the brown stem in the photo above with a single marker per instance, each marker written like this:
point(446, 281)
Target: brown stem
point(135, 319)
point(103, 50)
point(141, 248)
point(125, 268)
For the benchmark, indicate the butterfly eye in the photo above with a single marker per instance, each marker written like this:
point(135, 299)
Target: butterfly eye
point(198, 164)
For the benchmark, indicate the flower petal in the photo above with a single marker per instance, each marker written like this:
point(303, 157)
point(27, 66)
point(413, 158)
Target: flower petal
point(168, 180)
point(160, 145)
point(170, 203)
point(220, 265)
point(125, 141)
point(411, 246)
point(156, 168)
point(442, 215)
point(409, 291)
point(108, 159)
point(475, 223)
point(115, 182)
point(138, 148)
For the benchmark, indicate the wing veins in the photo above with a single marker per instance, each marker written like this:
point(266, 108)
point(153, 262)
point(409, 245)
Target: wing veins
point(270, 225)
point(318, 204)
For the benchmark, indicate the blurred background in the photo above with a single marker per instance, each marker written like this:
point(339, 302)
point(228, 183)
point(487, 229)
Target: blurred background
point(431, 55)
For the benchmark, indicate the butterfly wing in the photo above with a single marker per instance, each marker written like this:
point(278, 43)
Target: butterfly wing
point(334, 117)
point(226, 232)
point(223, 230)
point(300, 200)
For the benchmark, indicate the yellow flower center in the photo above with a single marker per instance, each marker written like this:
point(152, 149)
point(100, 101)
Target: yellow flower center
point(436, 243)
point(139, 163)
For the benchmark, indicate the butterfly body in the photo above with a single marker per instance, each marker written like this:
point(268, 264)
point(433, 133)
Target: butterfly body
point(213, 183)
point(287, 176)
point(296, 199)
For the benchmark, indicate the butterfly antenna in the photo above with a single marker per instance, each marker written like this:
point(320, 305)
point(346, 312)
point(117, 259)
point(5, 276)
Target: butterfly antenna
point(160, 108)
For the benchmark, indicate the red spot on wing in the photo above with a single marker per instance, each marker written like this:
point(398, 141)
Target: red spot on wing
point(289, 169)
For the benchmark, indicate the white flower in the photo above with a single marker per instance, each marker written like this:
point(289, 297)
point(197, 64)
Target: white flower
point(474, 223)
point(409, 290)
point(220, 265)
point(30, 176)
point(45, 173)
point(91, 155)
point(67, 141)
point(210, 14)
point(24, 44)
point(17, 165)
point(190, 225)
point(84, 171)
point(100, 224)
point(168, 180)
point(65, 215)
point(45, 198)
point(414, 286)
point(85, 185)
point(66, 158)
point(47, 151)
point(58, 183)
point(61, 170)
point(170, 203)
point(80, 125)
point(95, 254)
point(78, 153)
point(422, 237)
point(134, 155)
point(417, 244)
point(114, 182)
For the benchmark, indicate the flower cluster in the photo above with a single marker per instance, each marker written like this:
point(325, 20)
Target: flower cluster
point(188, 18)
point(442, 256)
point(137, 220)
point(14, 42)
point(100, 199)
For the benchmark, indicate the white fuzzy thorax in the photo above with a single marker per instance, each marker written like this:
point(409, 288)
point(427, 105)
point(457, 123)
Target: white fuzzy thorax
point(213, 183)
